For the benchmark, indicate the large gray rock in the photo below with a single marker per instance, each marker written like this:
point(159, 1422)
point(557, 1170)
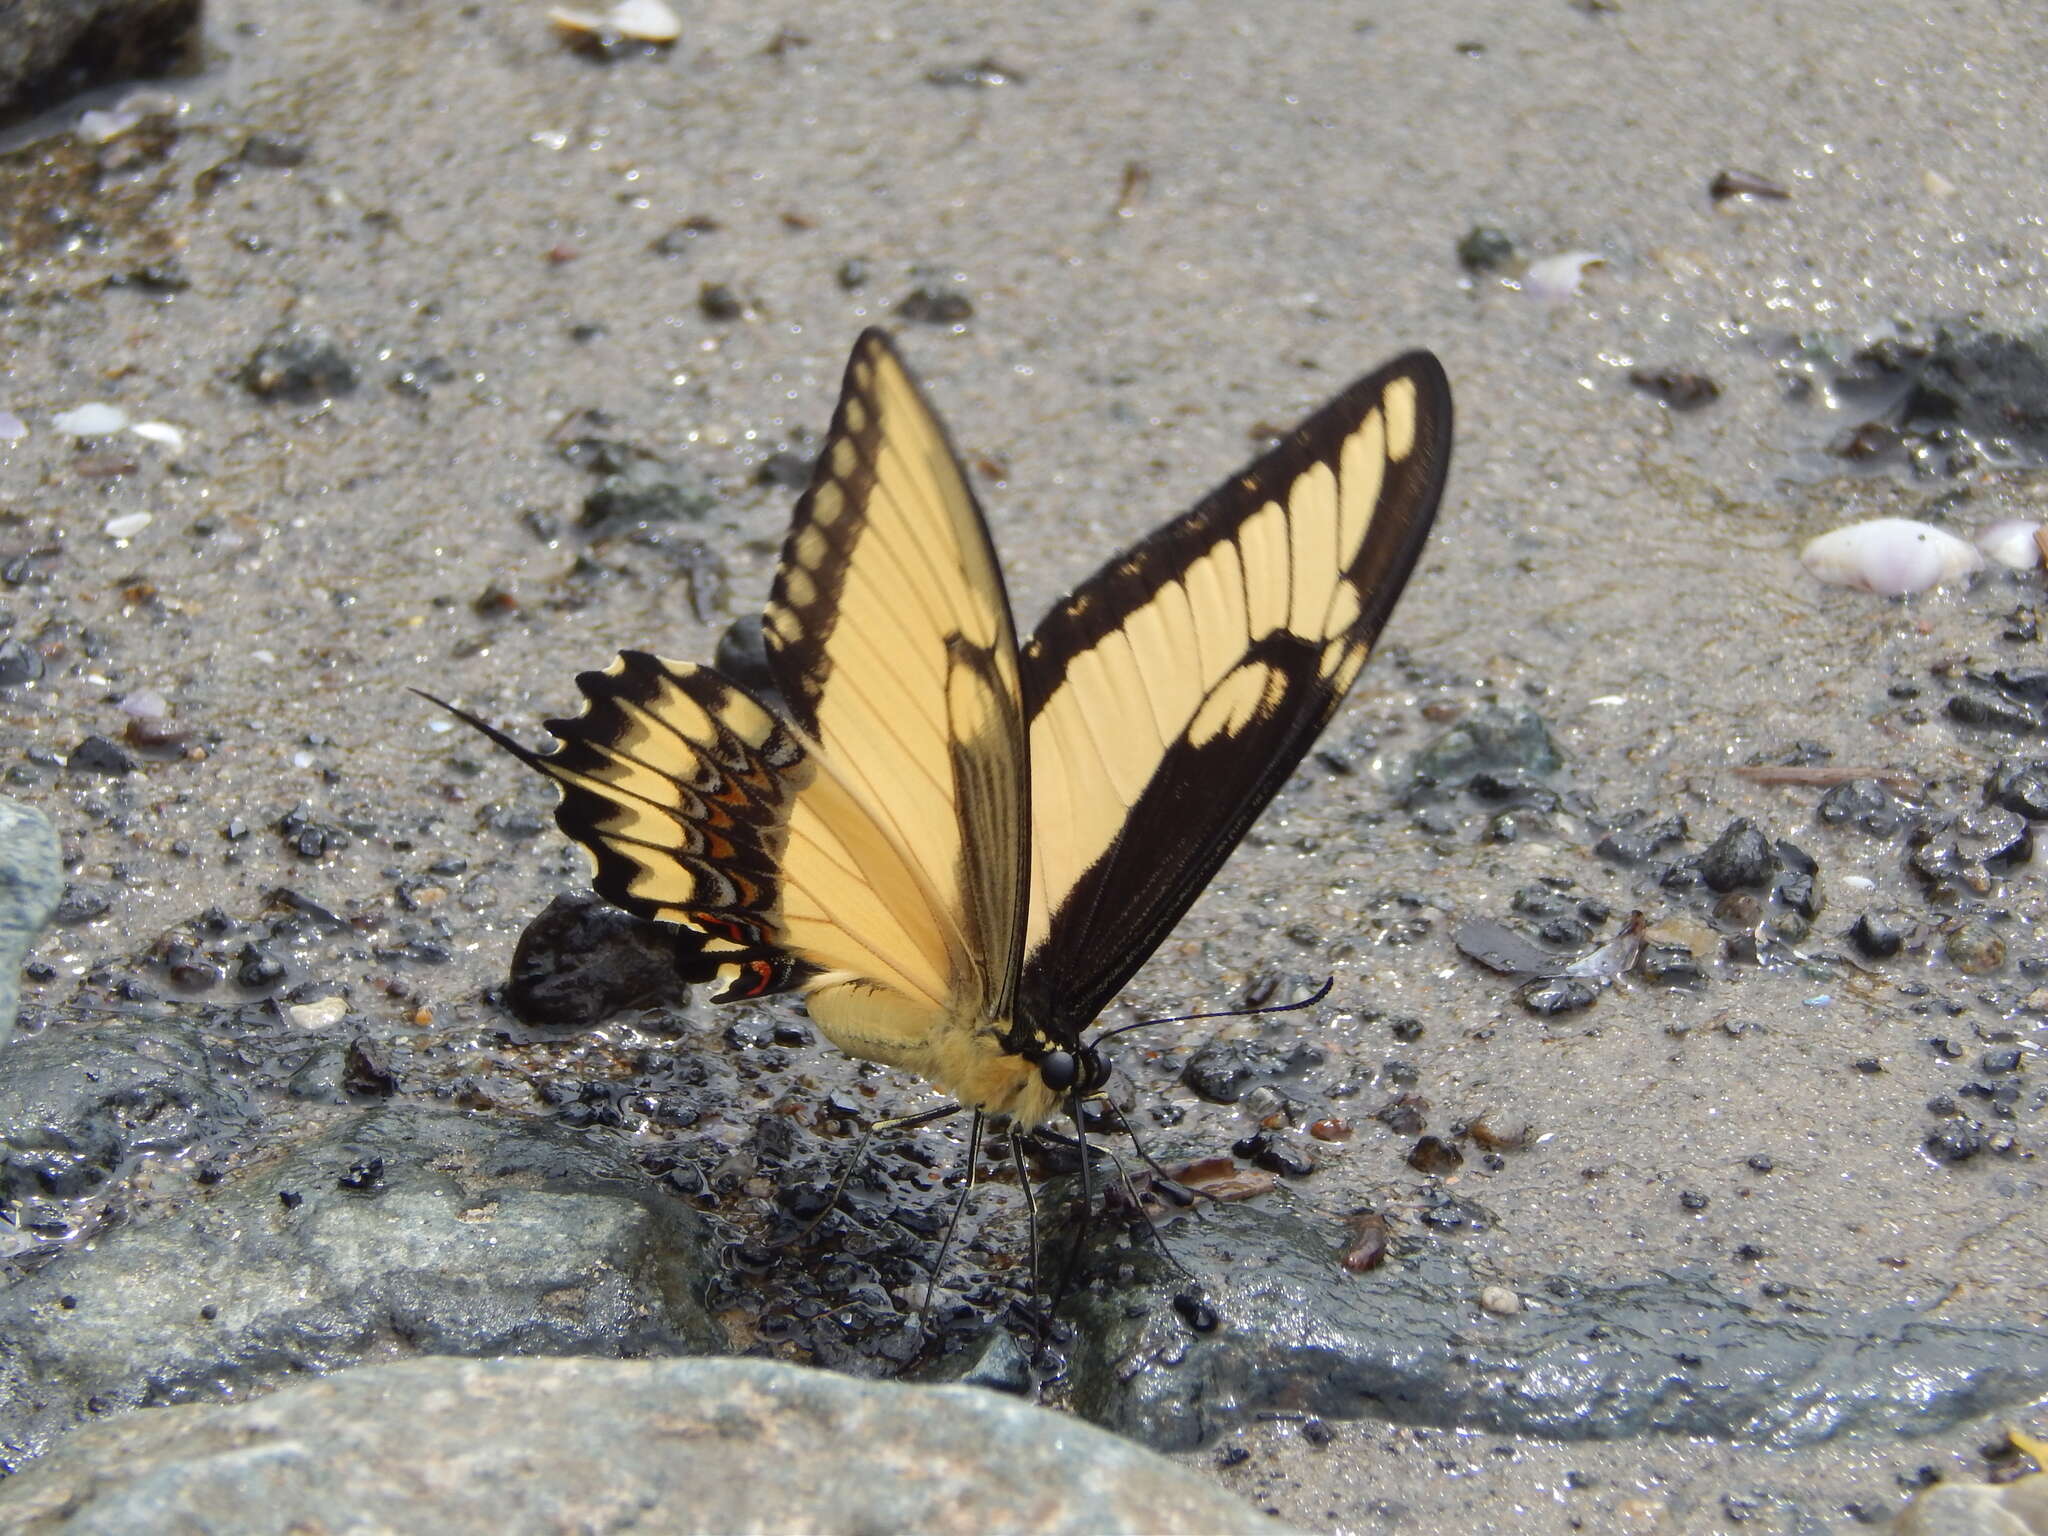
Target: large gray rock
point(50, 48)
point(398, 1231)
point(1257, 1315)
point(510, 1446)
point(79, 1105)
point(31, 875)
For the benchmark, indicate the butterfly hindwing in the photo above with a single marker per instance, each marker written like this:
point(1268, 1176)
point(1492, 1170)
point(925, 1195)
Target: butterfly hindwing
point(1172, 693)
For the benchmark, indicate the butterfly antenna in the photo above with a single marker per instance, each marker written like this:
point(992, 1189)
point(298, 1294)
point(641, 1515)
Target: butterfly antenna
point(1227, 1013)
point(931, 1285)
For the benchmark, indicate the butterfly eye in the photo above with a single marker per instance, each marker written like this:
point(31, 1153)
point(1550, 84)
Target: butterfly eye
point(1059, 1071)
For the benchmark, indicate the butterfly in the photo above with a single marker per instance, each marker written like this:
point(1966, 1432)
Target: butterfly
point(957, 848)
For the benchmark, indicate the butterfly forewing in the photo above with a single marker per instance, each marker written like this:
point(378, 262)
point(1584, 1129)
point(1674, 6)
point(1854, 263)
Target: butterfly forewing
point(890, 635)
point(1169, 697)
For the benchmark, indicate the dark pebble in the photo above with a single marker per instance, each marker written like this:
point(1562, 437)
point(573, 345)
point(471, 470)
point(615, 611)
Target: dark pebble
point(2018, 787)
point(298, 364)
point(1485, 248)
point(1974, 846)
point(1432, 1154)
point(365, 1071)
point(1692, 1200)
point(1289, 1162)
point(1864, 804)
point(2006, 1058)
point(853, 273)
point(1956, 1142)
point(257, 968)
point(718, 301)
point(1670, 965)
point(81, 904)
point(1488, 741)
point(581, 961)
point(1682, 389)
point(1403, 1116)
point(1741, 857)
point(98, 755)
point(18, 664)
point(1552, 995)
point(1997, 713)
point(1882, 932)
point(1222, 1070)
point(791, 471)
point(935, 306)
point(1632, 845)
point(645, 491)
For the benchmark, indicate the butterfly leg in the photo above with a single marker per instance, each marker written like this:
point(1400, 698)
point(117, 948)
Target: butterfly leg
point(931, 1284)
point(853, 1159)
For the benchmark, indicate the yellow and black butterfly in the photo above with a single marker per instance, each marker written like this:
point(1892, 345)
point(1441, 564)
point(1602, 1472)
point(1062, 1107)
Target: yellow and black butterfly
point(959, 849)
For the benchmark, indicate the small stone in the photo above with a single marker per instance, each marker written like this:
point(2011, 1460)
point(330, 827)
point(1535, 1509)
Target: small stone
point(935, 306)
point(323, 1013)
point(721, 302)
point(81, 904)
point(646, 491)
point(2005, 1058)
point(1670, 965)
point(127, 525)
point(1549, 996)
point(2020, 787)
point(1975, 847)
point(1956, 1142)
point(1740, 857)
point(1500, 1301)
point(18, 664)
point(1867, 805)
point(98, 755)
point(298, 363)
point(1882, 932)
point(1485, 248)
point(1976, 949)
point(1682, 389)
point(1432, 1154)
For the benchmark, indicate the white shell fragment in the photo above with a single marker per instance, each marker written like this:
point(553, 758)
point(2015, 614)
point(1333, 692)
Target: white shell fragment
point(322, 1013)
point(1890, 556)
point(2014, 543)
point(128, 524)
point(11, 427)
point(162, 432)
point(640, 21)
point(93, 419)
point(98, 127)
point(1557, 277)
